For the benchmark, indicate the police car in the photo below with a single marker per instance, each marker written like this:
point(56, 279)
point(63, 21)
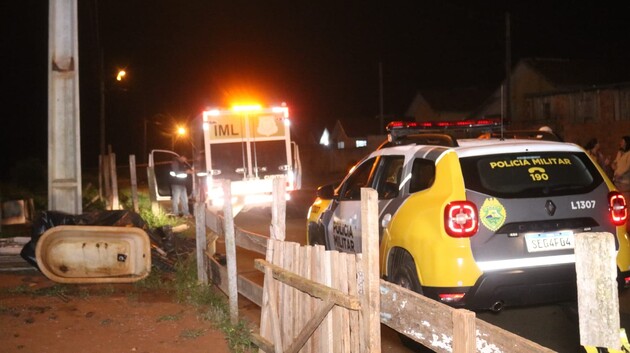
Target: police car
point(480, 223)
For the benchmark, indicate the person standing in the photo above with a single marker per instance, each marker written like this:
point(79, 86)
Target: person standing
point(593, 149)
point(179, 176)
point(621, 167)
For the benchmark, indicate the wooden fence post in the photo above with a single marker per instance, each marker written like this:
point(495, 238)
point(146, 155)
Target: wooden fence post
point(230, 250)
point(371, 295)
point(200, 231)
point(278, 209)
point(112, 164)
point(598, 300)
point(134, 182)
point(464, 331)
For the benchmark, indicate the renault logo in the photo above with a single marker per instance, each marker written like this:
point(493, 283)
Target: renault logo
point(550, 207)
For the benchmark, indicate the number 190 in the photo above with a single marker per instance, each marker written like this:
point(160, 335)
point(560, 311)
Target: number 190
point(539, 176)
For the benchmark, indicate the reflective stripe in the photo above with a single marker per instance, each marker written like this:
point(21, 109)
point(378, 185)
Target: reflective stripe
point(180, 175)
point(486, 266)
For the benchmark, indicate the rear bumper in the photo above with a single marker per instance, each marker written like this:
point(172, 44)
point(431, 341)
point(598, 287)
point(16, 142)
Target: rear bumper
point(518, 287)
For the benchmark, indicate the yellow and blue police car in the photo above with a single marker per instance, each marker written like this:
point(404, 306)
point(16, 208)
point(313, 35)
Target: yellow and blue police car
point(480, 223)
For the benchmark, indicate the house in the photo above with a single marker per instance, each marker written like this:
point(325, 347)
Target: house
point(446, 105)
point(578, 99)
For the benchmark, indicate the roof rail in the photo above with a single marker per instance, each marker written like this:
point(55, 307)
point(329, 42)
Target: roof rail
point(527, 135)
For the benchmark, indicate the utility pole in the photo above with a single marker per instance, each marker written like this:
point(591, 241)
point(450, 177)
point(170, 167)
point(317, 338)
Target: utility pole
point(508, 69)
point(381, 128)
point(64, 133)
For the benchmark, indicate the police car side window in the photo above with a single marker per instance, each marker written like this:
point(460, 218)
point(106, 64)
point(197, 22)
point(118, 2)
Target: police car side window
point(360, 177)
point(390, 176)
point(422, 175)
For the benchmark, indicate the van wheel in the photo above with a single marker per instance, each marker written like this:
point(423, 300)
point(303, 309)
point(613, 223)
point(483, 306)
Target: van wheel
point(405, 275)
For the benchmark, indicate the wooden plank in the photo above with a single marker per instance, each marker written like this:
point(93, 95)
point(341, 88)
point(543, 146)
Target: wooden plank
point(244, 239)
point(316, 269)
point(316, 289)
point(345, 315)
point(134, 182)
point(262, 343)
point(295, 294)
point(370, 300)
point(311, 326)
point(354, 315)
point(114, 176)
point(278, 209)
point(278, 257)
point(265, 328)
point(287, 295)
point(201, 244)
point(214, 222)
point(276, 322)
point(464, 340)
point(230, 250)
point(251, 241)
point(247, 288)
point(326, 343)
point(598, 299)
point(401, 308)
point(305, 300)
point(335, 314)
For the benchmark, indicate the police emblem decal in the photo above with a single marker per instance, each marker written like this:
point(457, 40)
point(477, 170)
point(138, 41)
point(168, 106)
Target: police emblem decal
point(492, 214)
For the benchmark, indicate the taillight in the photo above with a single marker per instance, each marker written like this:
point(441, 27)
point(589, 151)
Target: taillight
point(618, 208)
point(461, 219)
point(451, 297)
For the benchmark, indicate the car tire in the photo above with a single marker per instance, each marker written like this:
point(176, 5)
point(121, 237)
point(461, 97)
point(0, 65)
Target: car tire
point(316, 235)
point(405, 275)
point(404, 272)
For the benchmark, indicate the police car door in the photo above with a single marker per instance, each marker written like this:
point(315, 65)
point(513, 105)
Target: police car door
point(344, 226)
point(381, 173)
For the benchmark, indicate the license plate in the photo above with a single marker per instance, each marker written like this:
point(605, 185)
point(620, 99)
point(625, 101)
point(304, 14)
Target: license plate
point(549, 241)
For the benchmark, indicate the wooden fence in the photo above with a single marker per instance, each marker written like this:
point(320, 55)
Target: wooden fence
point(312, 282)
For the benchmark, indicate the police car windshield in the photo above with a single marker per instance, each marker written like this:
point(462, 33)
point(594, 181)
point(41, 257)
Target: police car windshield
point(536, 174)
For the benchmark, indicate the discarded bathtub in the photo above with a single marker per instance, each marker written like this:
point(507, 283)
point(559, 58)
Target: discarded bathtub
point(94, 254)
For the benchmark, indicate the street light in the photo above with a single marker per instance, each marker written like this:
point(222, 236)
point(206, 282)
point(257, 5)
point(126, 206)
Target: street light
point(121, 75)
point(180, 132)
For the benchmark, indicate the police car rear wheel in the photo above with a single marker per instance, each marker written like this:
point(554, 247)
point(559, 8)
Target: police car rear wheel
point(404, 272)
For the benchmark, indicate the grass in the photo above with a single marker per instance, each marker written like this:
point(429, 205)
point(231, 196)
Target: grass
point(191, 333)
point(171, 317)
point(212, 305)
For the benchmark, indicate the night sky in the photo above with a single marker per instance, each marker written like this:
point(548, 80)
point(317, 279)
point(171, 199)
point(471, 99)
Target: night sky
point(321, 58)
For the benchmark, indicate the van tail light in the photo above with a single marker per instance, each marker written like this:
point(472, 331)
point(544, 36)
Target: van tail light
point(461, 219)
point(618, 208)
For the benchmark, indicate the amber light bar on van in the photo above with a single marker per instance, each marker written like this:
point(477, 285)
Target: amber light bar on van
point(618, 208)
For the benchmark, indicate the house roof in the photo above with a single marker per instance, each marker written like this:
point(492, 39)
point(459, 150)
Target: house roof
point(461, 100)
point(566, 74)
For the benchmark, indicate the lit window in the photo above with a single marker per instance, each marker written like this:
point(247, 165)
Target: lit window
point(324, 140)
point(361, 143)
point(340, 145)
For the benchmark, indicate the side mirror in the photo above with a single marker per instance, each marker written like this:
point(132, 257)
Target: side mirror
point(326, 192)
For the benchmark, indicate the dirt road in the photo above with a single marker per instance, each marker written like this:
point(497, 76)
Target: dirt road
point(111, 318)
